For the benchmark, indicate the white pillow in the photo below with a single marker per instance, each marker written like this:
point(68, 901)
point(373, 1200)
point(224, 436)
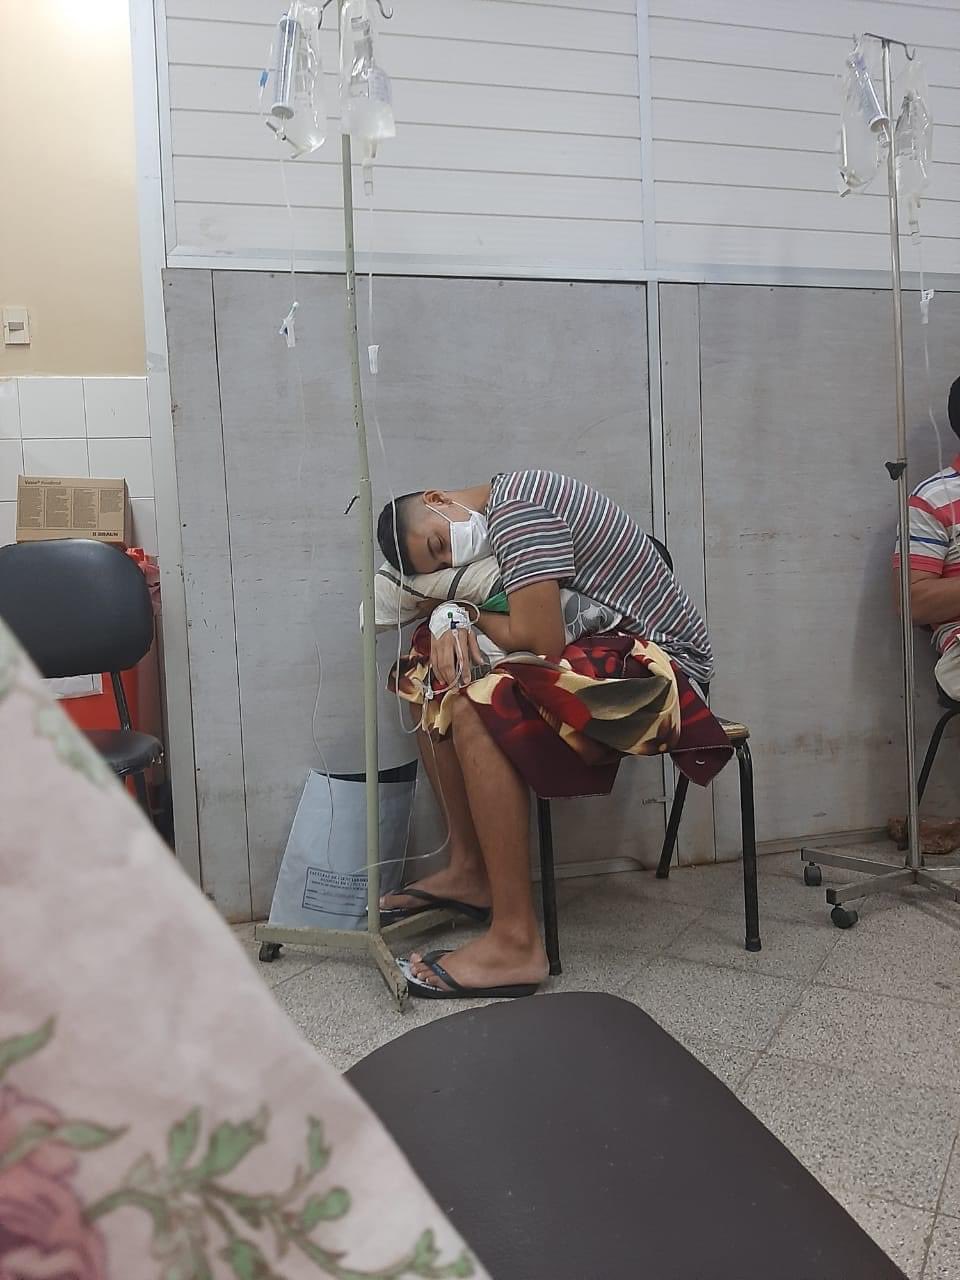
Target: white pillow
point(475, 583)
point(398, 599)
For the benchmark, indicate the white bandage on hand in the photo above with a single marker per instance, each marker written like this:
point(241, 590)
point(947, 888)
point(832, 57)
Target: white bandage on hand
point(449, 617)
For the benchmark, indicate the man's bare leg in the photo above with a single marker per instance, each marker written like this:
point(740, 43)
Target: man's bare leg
point(464, 878)
point(511, 951)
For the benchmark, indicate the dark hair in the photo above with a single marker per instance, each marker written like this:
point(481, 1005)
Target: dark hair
point(953, 407)
point(392, 532)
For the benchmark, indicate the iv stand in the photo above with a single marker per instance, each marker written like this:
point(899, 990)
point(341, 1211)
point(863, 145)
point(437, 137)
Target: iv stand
point(913, 872)
point(372, 939)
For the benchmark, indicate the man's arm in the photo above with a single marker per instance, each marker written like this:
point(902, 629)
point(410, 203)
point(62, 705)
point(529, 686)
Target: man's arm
point(933, 600)
point(534, 623)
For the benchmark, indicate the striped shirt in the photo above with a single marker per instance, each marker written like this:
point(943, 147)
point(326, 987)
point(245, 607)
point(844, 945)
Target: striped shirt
point(545, 526)
point(935, 536)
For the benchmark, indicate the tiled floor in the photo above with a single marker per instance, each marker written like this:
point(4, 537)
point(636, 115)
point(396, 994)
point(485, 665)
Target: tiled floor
point(845, 1043)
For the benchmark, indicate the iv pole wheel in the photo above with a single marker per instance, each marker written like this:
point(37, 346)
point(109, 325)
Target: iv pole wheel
point(843, 918)
point(812, 875)
point(270, 951)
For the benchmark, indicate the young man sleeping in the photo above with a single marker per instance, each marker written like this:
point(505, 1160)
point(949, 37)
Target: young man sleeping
point(547, 532)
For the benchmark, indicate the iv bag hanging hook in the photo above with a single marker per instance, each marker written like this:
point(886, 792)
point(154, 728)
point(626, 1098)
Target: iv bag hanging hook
point(385, 13)
point(872, 35)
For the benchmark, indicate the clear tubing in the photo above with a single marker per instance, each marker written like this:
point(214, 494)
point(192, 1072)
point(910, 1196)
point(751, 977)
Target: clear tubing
point(289, 35)
point(876, 116)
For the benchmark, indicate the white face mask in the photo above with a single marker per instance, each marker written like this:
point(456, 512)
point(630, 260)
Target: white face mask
point(468, 538)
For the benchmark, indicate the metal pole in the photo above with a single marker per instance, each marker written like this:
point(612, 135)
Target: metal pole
point(900, 475)
point(885, 877)
point(367, 565)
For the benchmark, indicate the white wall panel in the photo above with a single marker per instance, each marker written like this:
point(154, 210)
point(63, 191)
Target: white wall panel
point(933, 24)
point(518, 246)
point(791, 250)
point(216, 134)
point(541, 26)
point(415, 58)
point(518, 145)
point(744, 122)
point(519, 139)
point(468, 106)
point(765, 167)
point(411, 190)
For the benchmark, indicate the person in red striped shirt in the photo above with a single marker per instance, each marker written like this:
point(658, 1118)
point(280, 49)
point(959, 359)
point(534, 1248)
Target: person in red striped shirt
point(935, 559)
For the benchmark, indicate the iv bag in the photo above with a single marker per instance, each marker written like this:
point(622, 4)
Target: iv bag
point(366, 98)
point(297, 114)
point(864, 127)
point(913, 137)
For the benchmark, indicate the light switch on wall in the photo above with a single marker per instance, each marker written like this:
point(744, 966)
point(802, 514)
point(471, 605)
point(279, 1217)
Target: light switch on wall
point(16, 327)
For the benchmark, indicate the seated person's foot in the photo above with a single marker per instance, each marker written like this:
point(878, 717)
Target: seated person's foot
point(490, 961)
point(461, 886)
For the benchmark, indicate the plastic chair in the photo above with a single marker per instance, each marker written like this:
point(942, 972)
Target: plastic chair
point(79, 606)
point(739, 735)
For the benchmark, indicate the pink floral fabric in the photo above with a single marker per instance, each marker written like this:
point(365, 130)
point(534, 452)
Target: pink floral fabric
point(160, 1117)
point(43, 1233)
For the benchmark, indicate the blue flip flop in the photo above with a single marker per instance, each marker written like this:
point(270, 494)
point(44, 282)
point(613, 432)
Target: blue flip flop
point(421, 990)
point(393, 915)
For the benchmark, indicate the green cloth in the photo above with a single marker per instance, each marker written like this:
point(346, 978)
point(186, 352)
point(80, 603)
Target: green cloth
point(496, 604)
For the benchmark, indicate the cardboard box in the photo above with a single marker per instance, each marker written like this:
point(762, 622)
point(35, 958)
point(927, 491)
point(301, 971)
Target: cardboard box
point(54, 507)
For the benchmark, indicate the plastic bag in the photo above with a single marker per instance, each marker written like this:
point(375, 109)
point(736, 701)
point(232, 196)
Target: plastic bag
point(297, 114)
point(913, 139)
point(366, 96)
point(322, 881)
point(864, 127)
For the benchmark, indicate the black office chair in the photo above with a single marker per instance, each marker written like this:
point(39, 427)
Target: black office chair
point(79, 606)
point(738, 735)
point(952, 709)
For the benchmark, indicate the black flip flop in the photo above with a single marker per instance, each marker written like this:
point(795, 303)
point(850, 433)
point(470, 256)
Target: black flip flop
point(421, 990)
point(392, 915)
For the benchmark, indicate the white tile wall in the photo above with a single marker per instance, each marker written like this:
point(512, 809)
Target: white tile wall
point(11, 464)
point(9, 409)
point(127, 458)
point(76, 427)
point(56, 457)
point(51, 408)
point(116, 407)
point(144, 524)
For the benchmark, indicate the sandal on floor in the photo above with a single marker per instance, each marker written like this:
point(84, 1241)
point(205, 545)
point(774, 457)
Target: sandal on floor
point(393, 915)
point(421, 990)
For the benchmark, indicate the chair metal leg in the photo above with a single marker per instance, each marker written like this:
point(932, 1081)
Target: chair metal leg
point(748, 829)
point(548, 886)
point(673, 826)
point(933, 748)
point(140, 786)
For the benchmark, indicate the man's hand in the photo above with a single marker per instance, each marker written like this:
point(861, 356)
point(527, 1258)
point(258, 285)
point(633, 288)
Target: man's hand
point(426, 607)
point(451, 657)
